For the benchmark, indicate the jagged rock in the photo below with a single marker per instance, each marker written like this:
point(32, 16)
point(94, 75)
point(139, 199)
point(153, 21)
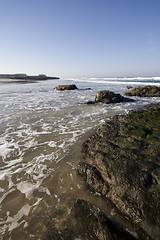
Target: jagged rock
point(94, 178)
point(147, 91)
point(66, 87)
point(124, 156)
point(110, 97)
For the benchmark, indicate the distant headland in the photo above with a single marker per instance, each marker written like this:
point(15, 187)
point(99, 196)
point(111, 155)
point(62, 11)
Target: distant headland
point(24, 77)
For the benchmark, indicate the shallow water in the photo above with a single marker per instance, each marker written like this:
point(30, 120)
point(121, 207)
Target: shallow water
point(41, 132)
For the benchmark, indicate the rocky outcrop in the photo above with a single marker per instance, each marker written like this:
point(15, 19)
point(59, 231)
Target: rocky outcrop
point(110, 97)
point(124, 166)
point(66, 87)
point(147, 91)
point(94, 178)
point(90, 224)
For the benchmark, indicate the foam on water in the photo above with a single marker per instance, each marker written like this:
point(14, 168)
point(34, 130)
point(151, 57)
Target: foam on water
point(123, 80)
point(28, 188)
point(17, 219)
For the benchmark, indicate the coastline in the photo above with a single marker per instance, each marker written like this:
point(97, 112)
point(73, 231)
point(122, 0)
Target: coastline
point(24, 78)
point(9, 80)
point(31, 80)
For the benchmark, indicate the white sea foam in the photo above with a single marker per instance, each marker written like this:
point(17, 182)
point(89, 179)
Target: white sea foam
point(118, 78)
point(9, 148)
point(13, 222)
point(10, 168)
point(44, 190)
point(17, 220)
point(122, 80)
point(52, 144)
point(1, 189)
point(31, 143)
point(4, 149)
point(27, 188)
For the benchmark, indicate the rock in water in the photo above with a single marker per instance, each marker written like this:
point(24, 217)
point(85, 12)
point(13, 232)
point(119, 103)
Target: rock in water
point(125, 166)
point(88, 224)
point(129, 87)
point(90, 102)
point(110, 97)
point(96, 226)
point(147, 91)
point(66, 87)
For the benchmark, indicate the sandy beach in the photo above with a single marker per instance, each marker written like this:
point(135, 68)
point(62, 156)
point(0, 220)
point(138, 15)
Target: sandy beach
point(10, 80)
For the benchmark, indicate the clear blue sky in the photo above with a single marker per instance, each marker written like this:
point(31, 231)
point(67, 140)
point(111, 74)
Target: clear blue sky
point(80, 37)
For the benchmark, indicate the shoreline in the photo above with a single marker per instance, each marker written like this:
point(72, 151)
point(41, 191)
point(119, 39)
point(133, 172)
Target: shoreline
point(12, 80)
point(16, 81)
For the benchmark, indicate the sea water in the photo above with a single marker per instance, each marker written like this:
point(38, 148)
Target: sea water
point(41, 133)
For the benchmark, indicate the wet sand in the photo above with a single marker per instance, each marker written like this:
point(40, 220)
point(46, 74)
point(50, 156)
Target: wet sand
point(10, 80)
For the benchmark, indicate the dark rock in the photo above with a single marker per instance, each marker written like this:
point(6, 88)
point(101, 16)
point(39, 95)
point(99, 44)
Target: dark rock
point(129, 87)
point(125, 158)
point(90, 102)
point(88, 89)
point(153, 106)
point(66, 87)
point(94, 178)
point(96, 225)
point(147, 91)
point(88, 223)
point(110, 97)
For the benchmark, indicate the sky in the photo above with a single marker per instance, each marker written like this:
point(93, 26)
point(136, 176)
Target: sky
point(80, 38)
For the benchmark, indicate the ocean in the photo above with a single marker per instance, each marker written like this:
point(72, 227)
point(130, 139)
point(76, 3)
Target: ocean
point(41, 134)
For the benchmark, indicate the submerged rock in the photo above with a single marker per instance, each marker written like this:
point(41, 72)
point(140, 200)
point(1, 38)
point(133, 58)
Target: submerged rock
point(110, 97)
point(124, 166)
point(66, 87)
point(129, 87)
point(147, 91)
point(93, 224)
point(88, 223)
point(88, 88)
point(90, 102)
